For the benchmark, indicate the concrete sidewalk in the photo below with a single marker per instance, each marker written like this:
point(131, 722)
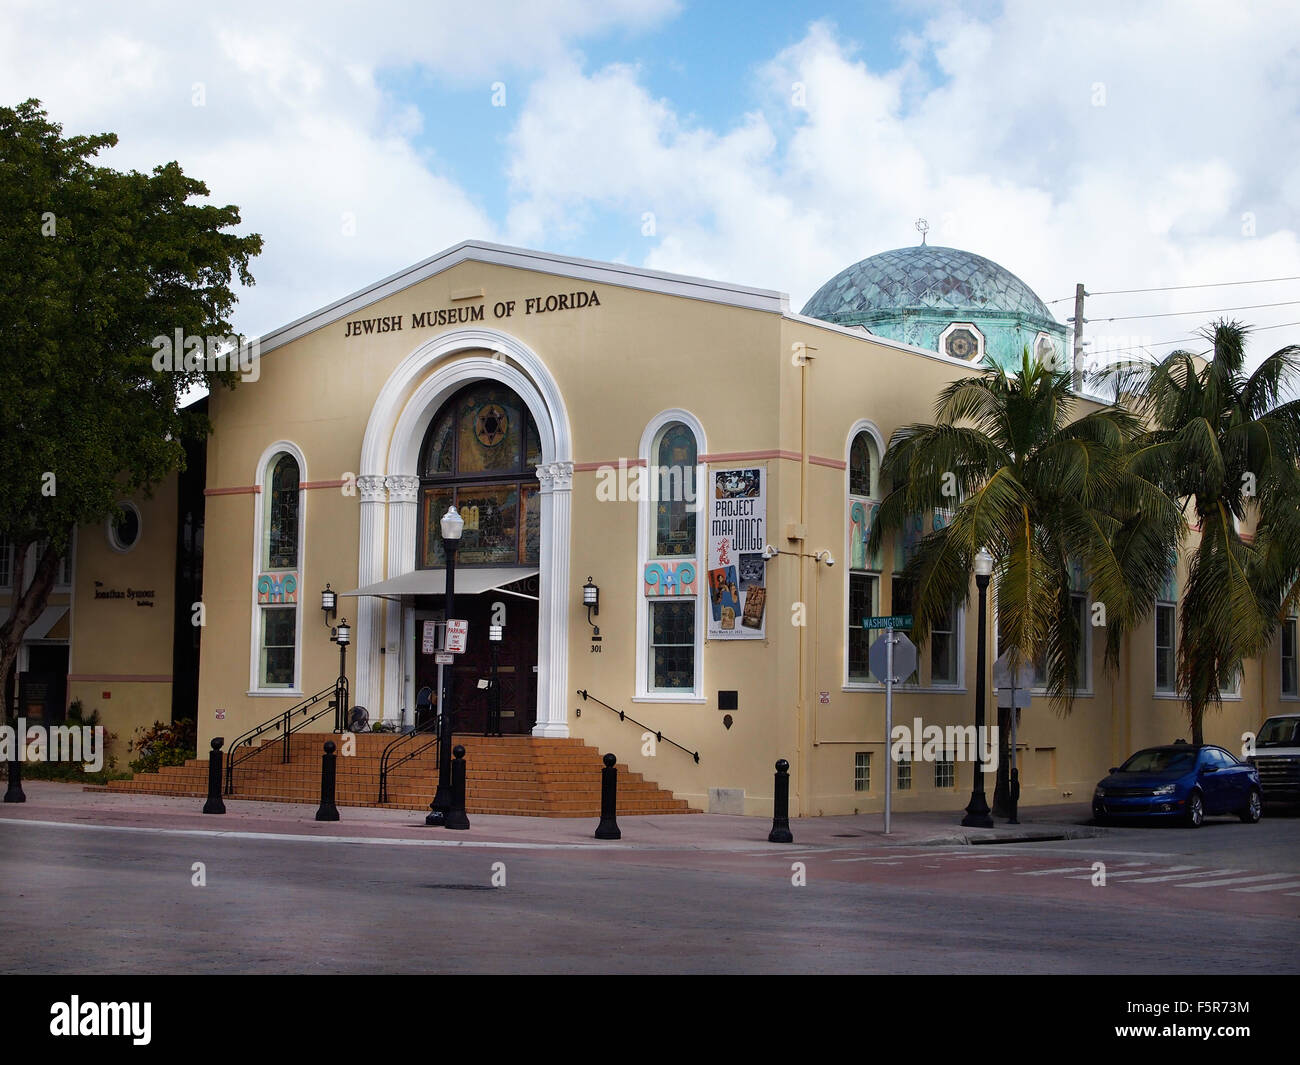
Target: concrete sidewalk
point(63, 803)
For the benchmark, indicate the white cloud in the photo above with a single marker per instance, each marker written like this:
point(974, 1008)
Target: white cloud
point(992, 129)
point(987, 124)
point(294, 125)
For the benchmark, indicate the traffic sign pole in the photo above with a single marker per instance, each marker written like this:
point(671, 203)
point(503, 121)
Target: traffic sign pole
point(889, 719)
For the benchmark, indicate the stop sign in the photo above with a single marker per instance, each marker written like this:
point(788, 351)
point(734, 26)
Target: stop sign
point(904, 656)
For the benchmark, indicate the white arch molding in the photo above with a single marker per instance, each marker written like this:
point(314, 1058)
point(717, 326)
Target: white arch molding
point(390, 454)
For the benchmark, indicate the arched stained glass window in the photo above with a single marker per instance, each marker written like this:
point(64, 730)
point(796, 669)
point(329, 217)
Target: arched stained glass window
point(480, 454)
point(282, 514)
point(279, 575)
point(673, 478)
point(863, 466)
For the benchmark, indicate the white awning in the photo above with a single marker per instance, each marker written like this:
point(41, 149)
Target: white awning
point(469, 581)
point(49, 617)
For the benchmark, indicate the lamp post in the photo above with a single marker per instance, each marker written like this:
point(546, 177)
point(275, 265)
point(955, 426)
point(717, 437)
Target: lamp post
point(977, 811)
point(452, 525)
point(341, 635)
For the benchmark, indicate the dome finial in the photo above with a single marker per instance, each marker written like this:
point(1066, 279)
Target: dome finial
point(922, 227)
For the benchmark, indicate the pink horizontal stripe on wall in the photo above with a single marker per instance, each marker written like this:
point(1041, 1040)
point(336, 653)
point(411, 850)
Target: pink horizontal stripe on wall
point(324, 484)
point(835, 464)
point(749, 456)
point(242, 490)
point(587, 467)
point(123, 678)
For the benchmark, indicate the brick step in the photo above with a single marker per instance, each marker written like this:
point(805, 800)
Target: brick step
point(510, 774)
point(516, 807)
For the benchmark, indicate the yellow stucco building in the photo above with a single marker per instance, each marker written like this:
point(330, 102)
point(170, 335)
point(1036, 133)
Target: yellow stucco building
point(700, 455)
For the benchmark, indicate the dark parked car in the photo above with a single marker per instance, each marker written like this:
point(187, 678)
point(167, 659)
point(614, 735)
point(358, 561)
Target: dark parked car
point(1182, 782)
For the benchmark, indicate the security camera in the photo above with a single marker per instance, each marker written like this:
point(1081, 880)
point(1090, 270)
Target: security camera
point(824, 556)
point(829, 561)
point(769, 553)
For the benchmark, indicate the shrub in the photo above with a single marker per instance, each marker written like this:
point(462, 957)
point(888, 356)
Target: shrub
point(163, 744)
point(73, 771)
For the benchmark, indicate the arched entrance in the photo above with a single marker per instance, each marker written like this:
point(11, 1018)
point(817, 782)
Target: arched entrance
point(480, 454)
point(390, 539)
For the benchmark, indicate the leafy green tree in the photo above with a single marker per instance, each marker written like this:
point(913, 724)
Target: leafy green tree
point(1226, 445)
point(94, 264)
point(1043, 490)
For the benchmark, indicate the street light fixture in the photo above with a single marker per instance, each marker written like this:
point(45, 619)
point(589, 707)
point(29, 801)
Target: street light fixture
point(591, 600)
point(328, 602)
point(977, 811)
point(451, 525)
point(341, 634)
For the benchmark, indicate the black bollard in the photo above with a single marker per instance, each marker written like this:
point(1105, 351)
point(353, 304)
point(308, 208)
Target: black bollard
point(328, 811)
point(214, 805)
point(456, 815)
point(781, 805)
point(15, 792)
point(1015, 797)
point(608, 827)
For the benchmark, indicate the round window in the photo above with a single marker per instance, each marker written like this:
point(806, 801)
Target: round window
point(124, 532)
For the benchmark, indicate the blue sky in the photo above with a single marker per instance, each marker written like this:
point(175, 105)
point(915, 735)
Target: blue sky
point(1123, 143)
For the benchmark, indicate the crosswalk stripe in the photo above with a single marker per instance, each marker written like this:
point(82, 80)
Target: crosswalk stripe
point(1186, 876)
point(1084, 869)
point(1268, 887)
point(882, 861)
point(1237, 880)
point(1134, 872)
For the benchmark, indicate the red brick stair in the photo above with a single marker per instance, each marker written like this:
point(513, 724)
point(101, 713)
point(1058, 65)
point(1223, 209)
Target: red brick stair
point(518, 775)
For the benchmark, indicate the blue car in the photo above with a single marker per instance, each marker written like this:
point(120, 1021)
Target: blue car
point(1182, 782)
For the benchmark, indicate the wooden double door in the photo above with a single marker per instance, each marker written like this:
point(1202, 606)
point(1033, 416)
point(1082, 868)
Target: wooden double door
point(510, 664)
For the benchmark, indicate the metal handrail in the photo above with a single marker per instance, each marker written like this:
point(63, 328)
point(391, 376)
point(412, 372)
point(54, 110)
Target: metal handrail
point(284, 722)
point(622, 716)
point(430, 726)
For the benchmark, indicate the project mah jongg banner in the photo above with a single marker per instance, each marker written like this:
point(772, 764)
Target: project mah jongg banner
point(737, 573)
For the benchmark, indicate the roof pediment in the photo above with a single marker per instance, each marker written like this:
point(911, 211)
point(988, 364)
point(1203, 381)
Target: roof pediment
point(617, 274)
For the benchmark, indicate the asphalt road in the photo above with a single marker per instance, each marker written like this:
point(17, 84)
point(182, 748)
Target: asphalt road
point(95, 899)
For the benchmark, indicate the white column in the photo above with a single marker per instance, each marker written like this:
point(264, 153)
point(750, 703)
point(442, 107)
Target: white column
point(403, 500)
point(553, 600)
point(370, 568)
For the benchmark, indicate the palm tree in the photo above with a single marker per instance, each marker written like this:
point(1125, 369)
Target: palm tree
point(1225, 444)
point(1045, 492)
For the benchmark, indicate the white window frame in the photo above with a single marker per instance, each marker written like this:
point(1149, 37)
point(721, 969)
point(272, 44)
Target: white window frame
point(66, 563)
point(1233, 694)
point(1172, 690)
point(862, 772)
point(979, 340)
point(958, 649)
point(1085, 686)
point(261, 481)
point(111, 533)
point(644, 692)
point(1292, 621)
point(849, 682)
